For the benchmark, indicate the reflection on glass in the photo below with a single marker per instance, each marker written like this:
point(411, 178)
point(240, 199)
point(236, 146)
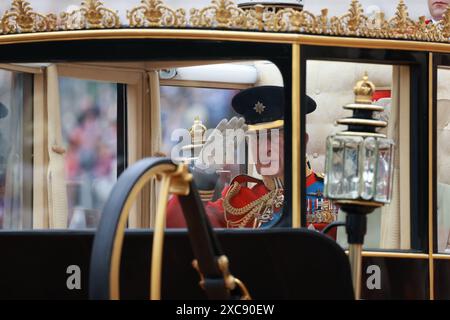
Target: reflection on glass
point(180, 106)
point(351, 168)
point(334, 180)
point(331, 84)
point(89, 119)
point(384, 170)
point(239, 166)
point(369, 162)
point(344, 167)
point(443, 160)
point(16, 138)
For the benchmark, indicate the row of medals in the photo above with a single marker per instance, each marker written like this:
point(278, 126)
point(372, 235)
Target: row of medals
point(324, 211)
point(271, 206)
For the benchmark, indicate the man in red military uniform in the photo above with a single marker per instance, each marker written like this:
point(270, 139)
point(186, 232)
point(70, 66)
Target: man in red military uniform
point(248, 202)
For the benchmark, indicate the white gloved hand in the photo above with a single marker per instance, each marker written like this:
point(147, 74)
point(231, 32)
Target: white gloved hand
point(222, 141)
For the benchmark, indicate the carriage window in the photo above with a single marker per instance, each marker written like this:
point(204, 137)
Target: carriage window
point(443, 163)
point(88, 125)
point(16, 147)
point(331, 86)
point(232, 136)
point(59, 160)
point(180, 106)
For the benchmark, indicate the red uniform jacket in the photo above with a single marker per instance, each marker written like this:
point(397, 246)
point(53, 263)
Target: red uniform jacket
point(215, 210)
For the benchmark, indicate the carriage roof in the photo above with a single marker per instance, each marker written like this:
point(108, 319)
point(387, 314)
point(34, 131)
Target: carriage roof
point(224, 20)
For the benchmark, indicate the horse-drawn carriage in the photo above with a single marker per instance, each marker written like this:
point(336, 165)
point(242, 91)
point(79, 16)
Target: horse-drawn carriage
point(96, 102)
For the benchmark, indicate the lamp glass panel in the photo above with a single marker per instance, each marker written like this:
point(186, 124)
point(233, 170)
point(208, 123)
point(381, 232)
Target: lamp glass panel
point(384, 170)
point(351, 167)
point(335, 167)
point(342, 178)
point(369, 165)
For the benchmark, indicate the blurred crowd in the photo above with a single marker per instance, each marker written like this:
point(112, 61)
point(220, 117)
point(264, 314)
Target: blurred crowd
point(89, 126)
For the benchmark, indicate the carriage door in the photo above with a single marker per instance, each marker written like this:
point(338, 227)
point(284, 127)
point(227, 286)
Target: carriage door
point(105, 111)
point(64, 140)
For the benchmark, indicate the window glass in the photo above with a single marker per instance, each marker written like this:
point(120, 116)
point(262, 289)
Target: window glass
point(233, 140)
point(443, 160)
point(16, 145)
point(89, 122)
point(331, 85)
point(181, 105)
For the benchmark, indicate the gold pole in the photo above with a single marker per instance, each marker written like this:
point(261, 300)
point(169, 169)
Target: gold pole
point(296, 132)
point(355, 254)
point(430, 176)
point(158, 239)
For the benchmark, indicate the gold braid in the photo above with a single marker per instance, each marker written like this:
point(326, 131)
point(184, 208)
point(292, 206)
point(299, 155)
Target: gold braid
point(249, 211)
point(235, 188)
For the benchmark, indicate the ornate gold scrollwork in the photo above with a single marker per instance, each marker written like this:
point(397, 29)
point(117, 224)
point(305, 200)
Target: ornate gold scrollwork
point(443, 27)
point(92, 14)
point(295, 21)
point(21, 18)
point(225, 14)
point(401, 26)
point(353, 23)
point(261, 19)
point(221, 14)
point(154, 13)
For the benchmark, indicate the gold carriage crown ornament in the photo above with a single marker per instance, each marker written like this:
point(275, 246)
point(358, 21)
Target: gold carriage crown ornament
point(364, 90)
point(248, 15)
point(197, 133)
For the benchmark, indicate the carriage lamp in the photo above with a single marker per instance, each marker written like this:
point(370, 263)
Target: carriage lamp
point(359, 170)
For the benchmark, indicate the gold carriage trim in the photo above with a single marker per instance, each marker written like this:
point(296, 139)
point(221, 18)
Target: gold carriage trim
point(21, 18)
point(225, 14)
point(154, 13)
point(92, 14)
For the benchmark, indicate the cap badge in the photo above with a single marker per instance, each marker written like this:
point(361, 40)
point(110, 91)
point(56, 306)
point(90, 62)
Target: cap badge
point(259, 107)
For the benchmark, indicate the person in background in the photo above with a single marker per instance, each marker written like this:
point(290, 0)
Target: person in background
point(250, 202)
point(437, 9)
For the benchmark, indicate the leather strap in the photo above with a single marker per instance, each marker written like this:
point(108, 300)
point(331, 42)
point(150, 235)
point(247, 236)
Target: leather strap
point(205, 245)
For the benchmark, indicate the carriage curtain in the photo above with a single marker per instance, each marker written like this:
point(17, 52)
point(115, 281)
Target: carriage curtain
point(149, 140)
point(395, 217)
point(13, 203)
point(16, 151)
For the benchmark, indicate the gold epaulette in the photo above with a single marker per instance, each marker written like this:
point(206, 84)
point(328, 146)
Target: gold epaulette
point(320, 175)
